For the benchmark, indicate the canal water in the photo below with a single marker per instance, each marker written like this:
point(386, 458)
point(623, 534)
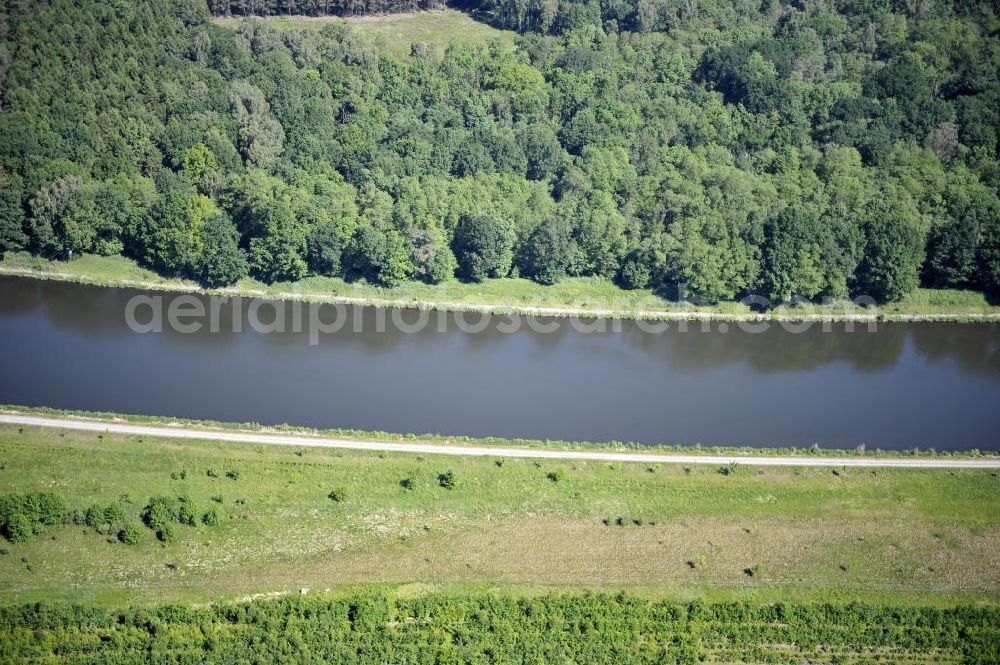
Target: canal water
point(901, 386)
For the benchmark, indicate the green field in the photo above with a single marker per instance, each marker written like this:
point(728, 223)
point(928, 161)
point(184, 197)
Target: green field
point(917, 537)
point(580, 293)
point(396, 32)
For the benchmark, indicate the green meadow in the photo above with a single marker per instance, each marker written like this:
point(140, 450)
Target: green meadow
point(334, 520)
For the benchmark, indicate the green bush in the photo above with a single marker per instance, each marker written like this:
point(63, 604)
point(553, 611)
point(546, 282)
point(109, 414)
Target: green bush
point(211, 517)
point(166, 533)
point(131, 533)
point(95, 516)
point(447, 480)
point(113, 513)
point(188, 513)
point(336, 496)
point(159, 512)
point(22, 515)
point(18, 528)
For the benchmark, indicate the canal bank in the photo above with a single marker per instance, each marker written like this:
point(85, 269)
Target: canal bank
point(579, 297)
point(139, 427)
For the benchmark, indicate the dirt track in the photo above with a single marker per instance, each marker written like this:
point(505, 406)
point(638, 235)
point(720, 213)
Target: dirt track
point(307, 441)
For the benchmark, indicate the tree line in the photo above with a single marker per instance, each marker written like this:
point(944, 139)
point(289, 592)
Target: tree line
point(568, 627)
point(770, 149)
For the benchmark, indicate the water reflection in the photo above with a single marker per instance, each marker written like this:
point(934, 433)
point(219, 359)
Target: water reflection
point(975, 347)
point(98, 313)
point(69, 346)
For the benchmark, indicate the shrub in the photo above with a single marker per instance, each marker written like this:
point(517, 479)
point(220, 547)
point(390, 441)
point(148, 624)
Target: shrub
point(233, 475)
point(22, 515)
point(113, 513)
point(44, 507)
point(336, 496)
point(95, 516)
point(187, 513)
point(18, 528)
point(447, 480)
point(160, 512)
point(212, 473)
point(166, 533)
point(211, 517)
point(556, 476)
point(131, 533)
point(102, 518)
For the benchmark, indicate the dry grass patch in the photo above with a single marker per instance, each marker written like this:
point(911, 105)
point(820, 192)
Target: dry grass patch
point(700, 551)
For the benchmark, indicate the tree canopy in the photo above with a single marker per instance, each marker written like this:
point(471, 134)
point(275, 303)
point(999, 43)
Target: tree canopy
point(775, 149)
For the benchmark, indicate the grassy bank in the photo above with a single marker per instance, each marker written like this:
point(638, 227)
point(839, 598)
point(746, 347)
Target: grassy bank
point(810, 535)
point(583, 297)
point(363, 435)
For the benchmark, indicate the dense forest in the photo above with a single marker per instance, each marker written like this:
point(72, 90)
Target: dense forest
point(579, 628)
point(720, 148)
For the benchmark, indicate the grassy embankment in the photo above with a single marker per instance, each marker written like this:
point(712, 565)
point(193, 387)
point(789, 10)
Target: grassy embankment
point(913, 537)
point(605, 446)
point(579, 296)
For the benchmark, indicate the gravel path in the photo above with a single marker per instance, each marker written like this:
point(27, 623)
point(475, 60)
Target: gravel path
point(313, 441)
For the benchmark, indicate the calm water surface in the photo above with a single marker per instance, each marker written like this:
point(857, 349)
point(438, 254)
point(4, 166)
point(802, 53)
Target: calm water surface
point(927, 385)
